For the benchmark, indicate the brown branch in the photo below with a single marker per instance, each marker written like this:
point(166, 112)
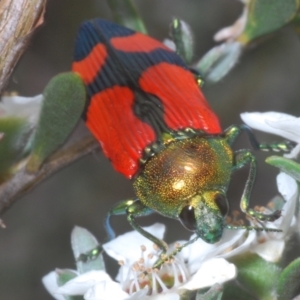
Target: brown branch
point(18, 19)
point(23, 181)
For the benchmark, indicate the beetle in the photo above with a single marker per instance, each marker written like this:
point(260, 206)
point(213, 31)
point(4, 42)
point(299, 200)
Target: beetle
point(147, 110)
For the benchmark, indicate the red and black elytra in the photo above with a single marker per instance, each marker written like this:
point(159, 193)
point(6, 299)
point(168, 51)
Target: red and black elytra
point(154, 124)
point(138, 88)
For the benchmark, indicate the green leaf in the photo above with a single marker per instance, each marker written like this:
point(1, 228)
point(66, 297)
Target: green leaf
point(125, 13)
point(267, 16)
point(289, 283)
point(86, 251)
point(64, 102)
point(63, 276)
point(182, 37)
point(296, 23)
point(214, 293)
point(256, 275)
point(286, 165)
point(218, 61)
point(233, 290)
point(14, 135)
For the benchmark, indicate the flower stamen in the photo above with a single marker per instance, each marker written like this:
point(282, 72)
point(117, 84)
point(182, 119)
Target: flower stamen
point(142, 272)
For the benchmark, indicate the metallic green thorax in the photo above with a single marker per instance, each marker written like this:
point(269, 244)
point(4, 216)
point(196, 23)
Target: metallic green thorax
point(189, 174)
point(185, 168)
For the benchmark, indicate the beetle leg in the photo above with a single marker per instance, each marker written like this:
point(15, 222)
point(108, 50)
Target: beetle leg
point(133, 209)
point(243, 158)
point(266, 229)
point(138, 209)
point(234, 131)
point(117, 210)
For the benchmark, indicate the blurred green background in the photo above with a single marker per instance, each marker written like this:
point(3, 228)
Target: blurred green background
point(37, 238)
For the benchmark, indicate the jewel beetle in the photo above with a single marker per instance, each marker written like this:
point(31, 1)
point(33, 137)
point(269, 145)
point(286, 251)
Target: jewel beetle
point(146, 109)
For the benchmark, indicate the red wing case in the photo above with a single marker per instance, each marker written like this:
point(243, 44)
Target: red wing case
point(138, 89)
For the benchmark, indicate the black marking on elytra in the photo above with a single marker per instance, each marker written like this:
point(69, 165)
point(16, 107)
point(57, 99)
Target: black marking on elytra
point(125, 68)
point(88, 36)
point(120, 68)
point(150, 110)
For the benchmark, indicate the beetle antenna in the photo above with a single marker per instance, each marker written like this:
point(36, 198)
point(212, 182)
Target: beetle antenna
point(266, 229)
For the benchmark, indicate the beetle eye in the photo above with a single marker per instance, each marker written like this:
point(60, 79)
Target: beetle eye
point(187, 218)
point(222, 204)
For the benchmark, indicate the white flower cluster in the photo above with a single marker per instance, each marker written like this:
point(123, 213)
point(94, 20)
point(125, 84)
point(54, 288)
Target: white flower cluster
point(199, 264)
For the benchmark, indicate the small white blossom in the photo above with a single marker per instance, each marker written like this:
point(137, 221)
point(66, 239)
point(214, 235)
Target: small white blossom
point(271, 245)
point(281, 124)
point(179, 270)
point(216, 270)
point(26, 108)
point(138, 279)
point(92, 285)
point(232, 32)
point(23, 112)
point(50, 283)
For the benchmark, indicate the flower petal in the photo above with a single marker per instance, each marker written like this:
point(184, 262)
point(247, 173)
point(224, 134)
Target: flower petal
point(142, 294)
point(270, 250)
point(245, 244)
point(289, 125)
point(50, 283)
point(200, 250)
point(81, 284)
point(165, 296)
point(106, 290)
point(21, 107)
point(127, 247)
point(280, 124)
point(288, 188)
point(216, 270)
point(233, 31)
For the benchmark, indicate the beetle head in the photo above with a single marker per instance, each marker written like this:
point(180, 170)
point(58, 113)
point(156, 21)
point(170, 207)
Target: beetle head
point(205, 215)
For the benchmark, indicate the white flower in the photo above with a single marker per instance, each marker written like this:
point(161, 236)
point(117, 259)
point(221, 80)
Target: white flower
point(24, 112)
point(138, 279)
point(26, 108)
point(18, 119)
point(271, 245)
point(50, 283)
point(179, 271)
point(281, 124)
point(93, 285)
